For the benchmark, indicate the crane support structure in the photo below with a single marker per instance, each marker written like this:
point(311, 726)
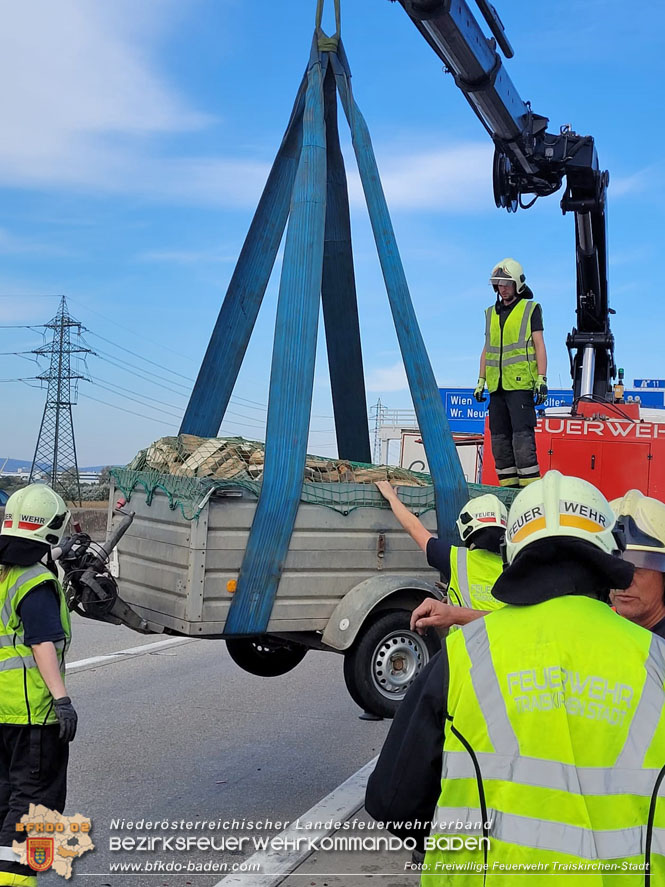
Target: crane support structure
point(528, 160)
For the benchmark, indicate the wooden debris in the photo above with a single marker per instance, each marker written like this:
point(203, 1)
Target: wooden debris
point(228, 458)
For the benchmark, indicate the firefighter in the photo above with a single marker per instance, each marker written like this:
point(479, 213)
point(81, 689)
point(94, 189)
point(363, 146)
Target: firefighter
point(535, 743)
point(37, 718)
point(513, 365)
point(470, 572)
point(643, 522)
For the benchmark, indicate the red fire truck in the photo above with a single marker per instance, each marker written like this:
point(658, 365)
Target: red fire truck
point(616, 446)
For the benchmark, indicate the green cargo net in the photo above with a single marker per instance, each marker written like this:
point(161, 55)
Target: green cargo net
point(189, 469)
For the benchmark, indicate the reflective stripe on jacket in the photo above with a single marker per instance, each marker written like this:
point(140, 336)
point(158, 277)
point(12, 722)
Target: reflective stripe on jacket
point(24, 697)
point(510, 358)
point(562, 704)
point(473, 572)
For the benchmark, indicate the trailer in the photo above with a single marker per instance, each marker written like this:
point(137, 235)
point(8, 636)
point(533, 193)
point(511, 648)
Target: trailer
point(348, 585)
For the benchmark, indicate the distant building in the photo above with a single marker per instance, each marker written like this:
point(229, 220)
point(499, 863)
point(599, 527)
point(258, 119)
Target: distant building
point(89, 477)
point(85, 477)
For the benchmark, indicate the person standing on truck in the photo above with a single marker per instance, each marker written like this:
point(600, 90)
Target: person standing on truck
point(469, 571)
point(642, 520)
point(536, 740)
point(513, 365)
point(37, 718)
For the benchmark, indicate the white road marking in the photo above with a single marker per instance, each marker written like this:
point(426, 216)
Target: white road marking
point(107, 658)
point(275, 866)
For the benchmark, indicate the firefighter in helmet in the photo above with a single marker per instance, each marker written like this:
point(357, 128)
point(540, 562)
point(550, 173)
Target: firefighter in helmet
point(642, 520)
point(470, 571)
point(537, 735)
point(37, 718)
point(513, 366)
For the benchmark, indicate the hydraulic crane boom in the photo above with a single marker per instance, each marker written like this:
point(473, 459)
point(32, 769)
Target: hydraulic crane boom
point(528, 160)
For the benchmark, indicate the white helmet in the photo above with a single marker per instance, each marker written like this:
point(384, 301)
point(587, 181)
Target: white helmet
point(559, 506)
point(508, 270)
point(480, 513)
point(37, 514)
point(642, 521)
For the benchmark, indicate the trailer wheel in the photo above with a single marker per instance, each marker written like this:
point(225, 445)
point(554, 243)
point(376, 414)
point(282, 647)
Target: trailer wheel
point(384, 661)
point(265, 656)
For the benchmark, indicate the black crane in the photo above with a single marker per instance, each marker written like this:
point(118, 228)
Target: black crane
point(530, 162)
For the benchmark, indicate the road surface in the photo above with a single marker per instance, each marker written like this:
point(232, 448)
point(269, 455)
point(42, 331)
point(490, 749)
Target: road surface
point(176, 731)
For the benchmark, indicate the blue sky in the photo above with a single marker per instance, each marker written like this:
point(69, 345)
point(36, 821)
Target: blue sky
point(136, 141)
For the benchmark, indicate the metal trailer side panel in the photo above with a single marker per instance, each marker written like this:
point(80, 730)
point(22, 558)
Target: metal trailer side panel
point(176, 572)
point(154, 561)
point(330, 553)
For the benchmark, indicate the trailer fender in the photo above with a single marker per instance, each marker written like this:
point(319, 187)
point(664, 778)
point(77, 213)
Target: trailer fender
point(350, 613)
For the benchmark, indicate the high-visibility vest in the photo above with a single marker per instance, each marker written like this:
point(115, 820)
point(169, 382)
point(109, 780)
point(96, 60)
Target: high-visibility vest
point(510, 358)
point(24, 697)
point(562, 704)
point(473, 572)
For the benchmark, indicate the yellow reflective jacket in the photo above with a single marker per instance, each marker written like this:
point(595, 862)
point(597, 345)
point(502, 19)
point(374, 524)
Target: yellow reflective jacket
point(562, 706)
point(510, 357)
point(24, 697)
point(473, 572)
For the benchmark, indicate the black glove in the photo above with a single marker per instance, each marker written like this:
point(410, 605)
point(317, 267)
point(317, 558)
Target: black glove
point(540, 390)
point(67, 718)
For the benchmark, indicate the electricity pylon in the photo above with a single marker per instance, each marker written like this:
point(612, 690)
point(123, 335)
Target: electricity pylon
point(55, 453)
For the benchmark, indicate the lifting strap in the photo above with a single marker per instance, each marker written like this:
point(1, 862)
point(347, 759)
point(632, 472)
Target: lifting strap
point(444, 465)
point(233, 329)
point(318, 263)
point(324, 42)
point(291, 375)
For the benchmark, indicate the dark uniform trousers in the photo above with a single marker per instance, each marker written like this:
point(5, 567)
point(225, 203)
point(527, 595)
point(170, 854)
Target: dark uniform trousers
point(512, 427)
point(33, 770)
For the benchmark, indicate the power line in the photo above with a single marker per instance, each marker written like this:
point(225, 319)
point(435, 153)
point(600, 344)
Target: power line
point(142, 373)
point(254, 404)
point(124, 410)
point(130, 391)
point(252, 419)
point(133, 332)
point(22, 355)
point(140, 357)
point(20, 326)
point(250, 424)
point(130, 412)
point(235, 397)
point(157, 379)
point(137, 400)
point(148, 401)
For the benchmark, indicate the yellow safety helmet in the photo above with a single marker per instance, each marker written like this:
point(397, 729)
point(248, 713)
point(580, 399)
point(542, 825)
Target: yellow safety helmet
point(479, 514)
point(508, 270)
point(37, 514)
point(559, 506)
point(642, 521)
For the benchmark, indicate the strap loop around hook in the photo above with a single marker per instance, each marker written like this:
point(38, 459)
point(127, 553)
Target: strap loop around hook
point(326, 43)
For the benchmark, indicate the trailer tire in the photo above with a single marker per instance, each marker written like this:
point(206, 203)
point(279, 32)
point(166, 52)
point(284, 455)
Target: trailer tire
point(373, 683)
point(265, 656)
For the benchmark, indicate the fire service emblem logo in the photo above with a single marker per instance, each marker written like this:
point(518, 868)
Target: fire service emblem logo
point(40, 853)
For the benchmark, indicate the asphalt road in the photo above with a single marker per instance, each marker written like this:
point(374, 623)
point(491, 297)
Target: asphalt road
point(181, 733)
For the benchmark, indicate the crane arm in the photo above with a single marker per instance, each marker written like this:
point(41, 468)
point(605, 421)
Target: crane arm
point(528, 160)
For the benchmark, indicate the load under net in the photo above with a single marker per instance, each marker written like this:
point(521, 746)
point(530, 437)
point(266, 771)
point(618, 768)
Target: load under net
point(188, 469)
